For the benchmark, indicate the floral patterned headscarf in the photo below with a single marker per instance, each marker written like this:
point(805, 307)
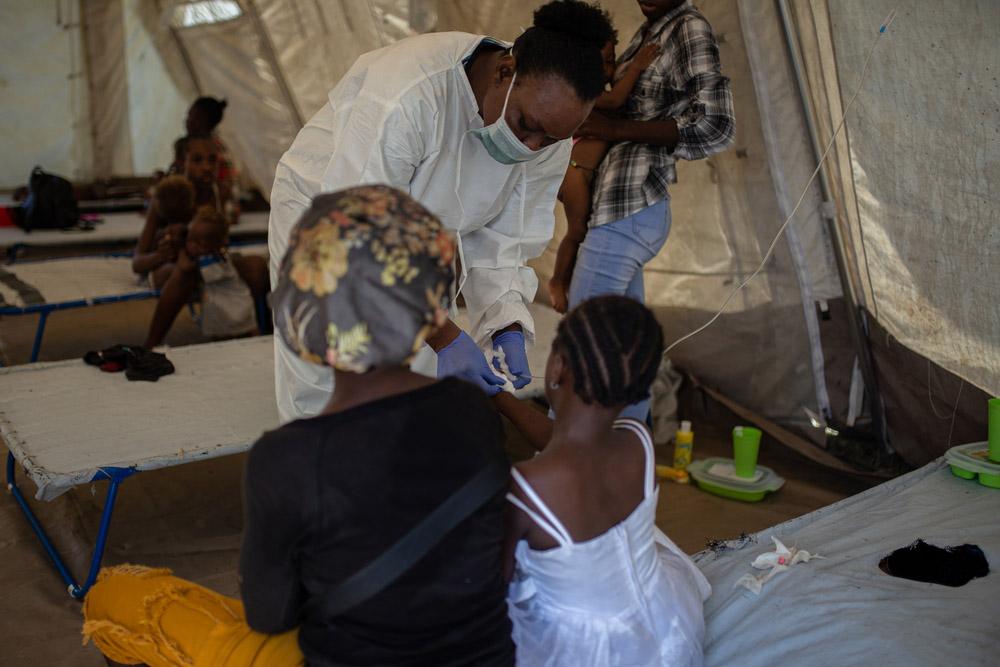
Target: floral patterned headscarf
point(365, 279)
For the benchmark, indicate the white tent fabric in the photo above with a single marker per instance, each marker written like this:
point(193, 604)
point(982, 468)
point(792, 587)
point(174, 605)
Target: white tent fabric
point(44, 100)
point(911, 178)
point(925, 157)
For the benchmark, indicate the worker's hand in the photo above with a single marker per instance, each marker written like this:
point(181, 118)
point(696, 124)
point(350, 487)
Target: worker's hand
point(558, 295)
point(646, 55)
point(515, 357)
point(463, 359)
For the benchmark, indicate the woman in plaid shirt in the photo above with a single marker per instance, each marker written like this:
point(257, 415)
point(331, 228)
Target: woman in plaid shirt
point(681, 107)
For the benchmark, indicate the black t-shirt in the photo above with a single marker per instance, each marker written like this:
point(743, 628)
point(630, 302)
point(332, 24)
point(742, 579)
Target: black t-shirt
point(325, 496)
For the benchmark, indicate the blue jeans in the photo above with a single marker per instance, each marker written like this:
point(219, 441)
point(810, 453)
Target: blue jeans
point(610, 261)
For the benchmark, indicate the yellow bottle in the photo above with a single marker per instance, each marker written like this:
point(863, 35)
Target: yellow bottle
point(683, 442)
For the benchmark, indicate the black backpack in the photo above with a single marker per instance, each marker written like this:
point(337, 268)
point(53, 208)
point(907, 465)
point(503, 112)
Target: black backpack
point(50, 203)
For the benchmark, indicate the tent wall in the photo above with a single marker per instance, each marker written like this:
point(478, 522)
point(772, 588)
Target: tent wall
point(921, 204)
point(157, 103)
point(43, 91)
point(107, 78)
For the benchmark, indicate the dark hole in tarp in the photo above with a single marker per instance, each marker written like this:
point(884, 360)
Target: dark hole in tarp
point(950, 566)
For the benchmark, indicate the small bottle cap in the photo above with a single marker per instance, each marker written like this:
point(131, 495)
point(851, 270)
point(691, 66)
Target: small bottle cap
point(685, 427)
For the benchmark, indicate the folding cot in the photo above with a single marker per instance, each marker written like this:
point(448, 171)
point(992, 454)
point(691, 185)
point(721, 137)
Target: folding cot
point(843, 610)
point(225, 391)
point(115, 228)
point(45, 286)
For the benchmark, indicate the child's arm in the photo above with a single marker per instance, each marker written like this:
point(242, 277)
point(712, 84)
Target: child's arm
point(532, 424)
point(619, 92)
point(515, 529)
point(148, 255)
point(562, 274)
point(176, 292)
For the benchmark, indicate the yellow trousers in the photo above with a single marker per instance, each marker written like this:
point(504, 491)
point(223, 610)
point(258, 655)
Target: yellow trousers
point(135, 615)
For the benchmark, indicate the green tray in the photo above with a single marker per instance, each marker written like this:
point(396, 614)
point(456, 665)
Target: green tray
point(969, 461)
point(747, 492)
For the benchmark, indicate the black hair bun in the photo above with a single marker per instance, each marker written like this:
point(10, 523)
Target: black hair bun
point(576, 19)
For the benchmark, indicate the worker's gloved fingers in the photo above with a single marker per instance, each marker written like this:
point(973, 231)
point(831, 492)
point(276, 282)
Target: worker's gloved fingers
point(463, 359)
point(509, 351)
point(489, 383)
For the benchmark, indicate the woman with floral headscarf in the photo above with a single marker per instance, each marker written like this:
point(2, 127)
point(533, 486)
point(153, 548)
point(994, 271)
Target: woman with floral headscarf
point(364, 282)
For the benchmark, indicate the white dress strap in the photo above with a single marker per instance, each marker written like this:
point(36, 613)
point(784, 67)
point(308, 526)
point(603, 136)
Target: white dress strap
point(649, 476)
point(547, 521)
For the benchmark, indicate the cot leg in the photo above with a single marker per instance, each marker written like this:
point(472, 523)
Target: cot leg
point(37, 527)
point(43, 317)
point(13, 251)
point(115, 477)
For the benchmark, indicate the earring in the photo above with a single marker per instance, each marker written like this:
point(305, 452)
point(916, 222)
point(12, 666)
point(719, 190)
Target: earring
point(553, 385)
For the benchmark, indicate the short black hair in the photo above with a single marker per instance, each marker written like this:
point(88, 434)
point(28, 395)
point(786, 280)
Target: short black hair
point(613, 346)
point(212, 108)
point(566, 41)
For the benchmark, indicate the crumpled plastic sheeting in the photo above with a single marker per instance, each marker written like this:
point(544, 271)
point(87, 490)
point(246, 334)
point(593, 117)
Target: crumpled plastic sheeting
point(781, 559)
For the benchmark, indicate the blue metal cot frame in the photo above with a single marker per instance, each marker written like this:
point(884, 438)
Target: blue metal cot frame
point(115, 476)
point(45, 309)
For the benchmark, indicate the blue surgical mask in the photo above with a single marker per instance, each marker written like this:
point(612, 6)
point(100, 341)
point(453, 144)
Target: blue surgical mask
point(500, 141)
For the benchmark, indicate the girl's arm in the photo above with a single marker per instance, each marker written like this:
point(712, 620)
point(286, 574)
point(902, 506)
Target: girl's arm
point(532, 424)
point(515, 530)
point(146, 255)
point(619, 92)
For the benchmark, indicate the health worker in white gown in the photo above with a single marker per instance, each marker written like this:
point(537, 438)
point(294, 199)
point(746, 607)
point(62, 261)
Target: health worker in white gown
point(477, 130)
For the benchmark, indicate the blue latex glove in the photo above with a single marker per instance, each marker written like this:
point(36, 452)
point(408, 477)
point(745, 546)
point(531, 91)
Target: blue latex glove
point(512, 344)
point(463, 359)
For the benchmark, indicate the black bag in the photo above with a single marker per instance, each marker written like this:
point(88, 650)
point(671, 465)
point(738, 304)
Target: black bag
point(50, 203)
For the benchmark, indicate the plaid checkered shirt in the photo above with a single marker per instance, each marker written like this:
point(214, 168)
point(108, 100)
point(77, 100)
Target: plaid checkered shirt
point(685, 83)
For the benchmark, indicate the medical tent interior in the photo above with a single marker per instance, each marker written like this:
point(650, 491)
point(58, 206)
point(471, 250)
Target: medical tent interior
point(843, 253)
point(871, 332)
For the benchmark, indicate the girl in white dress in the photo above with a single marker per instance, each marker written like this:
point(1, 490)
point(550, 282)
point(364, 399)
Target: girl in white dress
point(593, 581)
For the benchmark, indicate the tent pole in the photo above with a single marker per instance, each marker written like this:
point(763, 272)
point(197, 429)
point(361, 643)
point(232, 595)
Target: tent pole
point(854, 317)
point(272, 57)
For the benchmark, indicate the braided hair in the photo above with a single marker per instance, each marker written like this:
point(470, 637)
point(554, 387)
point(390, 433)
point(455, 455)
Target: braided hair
point(613, 345)
point(566, 41)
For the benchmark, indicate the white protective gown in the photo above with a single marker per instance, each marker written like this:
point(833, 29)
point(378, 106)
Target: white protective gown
point(402, 116)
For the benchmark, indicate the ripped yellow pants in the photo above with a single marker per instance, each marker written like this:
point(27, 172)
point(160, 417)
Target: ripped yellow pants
point(140, 615)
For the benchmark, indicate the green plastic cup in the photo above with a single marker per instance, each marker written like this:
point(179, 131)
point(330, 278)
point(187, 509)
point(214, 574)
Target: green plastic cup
point(746, 445)
point(994, 429)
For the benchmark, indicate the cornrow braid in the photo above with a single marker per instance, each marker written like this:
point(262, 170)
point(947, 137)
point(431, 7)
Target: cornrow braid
point(613, 345)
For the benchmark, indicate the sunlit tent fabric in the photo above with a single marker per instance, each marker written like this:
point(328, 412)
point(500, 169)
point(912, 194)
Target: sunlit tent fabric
point(907, 200)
